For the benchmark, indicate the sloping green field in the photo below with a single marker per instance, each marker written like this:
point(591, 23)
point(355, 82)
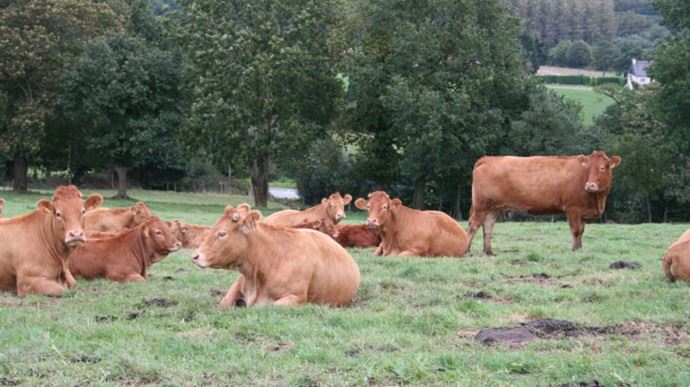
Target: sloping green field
point(592, 103)
point(412, 321)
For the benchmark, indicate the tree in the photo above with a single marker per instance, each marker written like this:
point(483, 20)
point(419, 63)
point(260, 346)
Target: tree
point(123, 92)
point(579, 54)
point(606, 55)
point(260, 79)
point(38, 38)
point(535, 50)
point(559, 55)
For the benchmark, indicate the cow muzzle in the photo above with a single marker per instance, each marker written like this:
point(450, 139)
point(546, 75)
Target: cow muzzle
point(591, 187)
point(372, 223)
point(199, 259)
point(75, 237)
point(340, 216)
point(176, 246)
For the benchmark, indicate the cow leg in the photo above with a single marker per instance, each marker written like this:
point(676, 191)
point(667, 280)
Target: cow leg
point(69, 279)
point(409, 253)
point(379, 249)
point(489, 222)
point(39, 285)
point(476, 220)
point(577, 227)
point(290, 300)
point(135, 277)
point(233, 294)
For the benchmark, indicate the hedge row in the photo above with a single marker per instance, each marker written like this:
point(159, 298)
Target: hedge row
point(581, 80)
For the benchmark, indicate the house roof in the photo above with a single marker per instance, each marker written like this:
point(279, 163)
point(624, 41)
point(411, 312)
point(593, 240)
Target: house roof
point(639, 68)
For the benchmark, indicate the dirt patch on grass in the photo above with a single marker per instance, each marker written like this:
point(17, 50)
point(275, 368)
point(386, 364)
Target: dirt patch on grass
point(215, 293)
point(547, 328)
point(282, 346)
point(484, 295)
point(624, 265)
point(85, 359)
point(158, 302)
point(105, 318)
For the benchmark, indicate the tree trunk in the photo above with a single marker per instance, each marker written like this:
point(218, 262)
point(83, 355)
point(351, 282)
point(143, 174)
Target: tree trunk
point(665, 214)
point(121, 182)
point(649, 210)
point(259, 178)
point(21, 179)
point(419, 191)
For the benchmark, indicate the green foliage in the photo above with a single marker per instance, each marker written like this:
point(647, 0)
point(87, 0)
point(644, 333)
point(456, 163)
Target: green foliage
point(535, 49)
point(559, 54)
point(605, 55)
point(579, 54)
point(260, 80)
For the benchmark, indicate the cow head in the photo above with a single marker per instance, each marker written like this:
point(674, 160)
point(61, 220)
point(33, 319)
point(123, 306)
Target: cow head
point(379, 208)
point(162, 239)
point(335, 206)
point(600, 170)
point(227, 242)
point(140, 213)
point(67, 209)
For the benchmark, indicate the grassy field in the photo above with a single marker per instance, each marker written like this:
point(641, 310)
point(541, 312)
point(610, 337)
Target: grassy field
point(412, 321)
point(592, 103)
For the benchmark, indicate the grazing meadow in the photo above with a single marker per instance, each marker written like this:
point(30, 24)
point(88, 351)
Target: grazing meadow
point(592, 102)
point(413, 321)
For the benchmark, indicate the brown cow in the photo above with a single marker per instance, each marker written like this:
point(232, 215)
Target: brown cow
point(90, 234)
point(191, 235)
point(34, 247)
point(408, 232)
point(127, 256)
point(2, 206)
point(277, 265)
point(347, 235)
point(116, 219)
point(331, 208)
point(540, 185)
point(676, 262)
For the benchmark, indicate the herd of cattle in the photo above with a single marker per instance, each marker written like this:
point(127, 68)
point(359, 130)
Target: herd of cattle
point(292, 257)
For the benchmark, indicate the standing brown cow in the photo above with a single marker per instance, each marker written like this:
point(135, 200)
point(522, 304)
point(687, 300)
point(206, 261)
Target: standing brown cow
point(408, 232)
point(127, 256)
point(540, 185)
point(277, 265)
point(116, 219)
point(676, 262)
point(332, 209)
point(34, 248)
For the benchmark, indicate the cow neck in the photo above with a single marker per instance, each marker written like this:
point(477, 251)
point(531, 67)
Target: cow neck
point(320, 210)
point(388, 230)
point(56, 246)
point(141, 247)
point(600, 198)
point(260, 238)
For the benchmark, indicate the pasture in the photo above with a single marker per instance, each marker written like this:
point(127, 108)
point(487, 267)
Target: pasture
point(592, 102)
point(412, 321)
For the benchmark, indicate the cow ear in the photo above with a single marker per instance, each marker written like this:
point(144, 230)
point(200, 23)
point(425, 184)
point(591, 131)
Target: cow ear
point(361, 203)
point(2, 202)
point(244, 208)
point(94, 201)
point(615, 160)
point(168, 224)
point(583, 160)
point(229, 209)
point(45, 205)
point(324, 200)
point(249, 221)
point(147, 231)
point(347, 199)
point(395, 203)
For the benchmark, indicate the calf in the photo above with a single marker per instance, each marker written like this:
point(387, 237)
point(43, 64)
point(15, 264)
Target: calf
point(539, 185)
point(407, 232)
point(116, 219)
point(191, 235)
point(34, 247)
point(676, 262)
point(277, 265)
point(127, 256)
point(331, 208)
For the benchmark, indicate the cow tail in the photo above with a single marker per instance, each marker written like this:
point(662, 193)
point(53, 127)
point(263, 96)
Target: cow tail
point(667, 267)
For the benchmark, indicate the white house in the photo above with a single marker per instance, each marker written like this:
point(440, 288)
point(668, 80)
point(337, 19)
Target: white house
point(637, 73)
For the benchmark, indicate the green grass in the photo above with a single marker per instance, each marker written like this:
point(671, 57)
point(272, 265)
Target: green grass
point(412, 320)
point(592, 103)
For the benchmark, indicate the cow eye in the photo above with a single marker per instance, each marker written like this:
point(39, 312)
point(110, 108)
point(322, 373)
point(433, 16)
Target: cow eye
point(222, 234)
point(367, 206)
point(83, 211)
point(58, 214)
point(330, 205)
point(158, 232)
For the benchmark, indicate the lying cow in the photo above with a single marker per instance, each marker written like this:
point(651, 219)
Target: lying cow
point(34, 247)
point(127, 256)
point(2, 206)
point(277, 265)
point(115, 220)
point(676, 263)
point(347, 235)
point(90, 234)
point(408, 232)
point(191, 235)
point(539, 185)
point(331, 208)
